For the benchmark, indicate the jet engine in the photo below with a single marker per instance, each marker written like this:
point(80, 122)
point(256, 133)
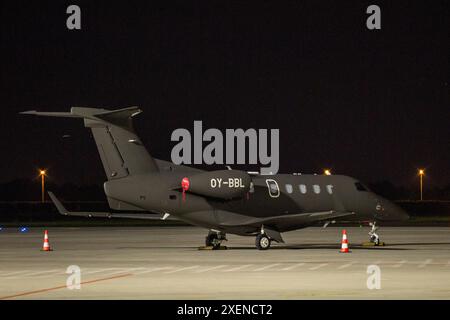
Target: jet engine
point(221, 184)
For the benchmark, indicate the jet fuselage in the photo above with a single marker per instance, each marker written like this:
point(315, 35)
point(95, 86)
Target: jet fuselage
point(270, 196)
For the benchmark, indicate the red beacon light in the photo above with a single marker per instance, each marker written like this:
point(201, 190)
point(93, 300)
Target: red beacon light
point(184, 186)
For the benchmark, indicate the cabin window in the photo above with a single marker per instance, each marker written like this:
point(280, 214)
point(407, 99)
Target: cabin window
point(302, 188)
point(330, 188)
point(360, 187)
point(252, 187)
point(316, 188)
point(272, 186)
point(289, 188)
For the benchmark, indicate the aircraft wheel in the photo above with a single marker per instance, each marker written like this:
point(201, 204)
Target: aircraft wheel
point(212, 240)
point(375, 240)
point(262, 242)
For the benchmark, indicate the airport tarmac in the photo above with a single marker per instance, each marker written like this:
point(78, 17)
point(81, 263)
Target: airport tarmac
point(165, 263)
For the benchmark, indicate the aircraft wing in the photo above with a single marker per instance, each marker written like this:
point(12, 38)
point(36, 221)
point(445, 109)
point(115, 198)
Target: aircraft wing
point(300, 218)
point(145, 216)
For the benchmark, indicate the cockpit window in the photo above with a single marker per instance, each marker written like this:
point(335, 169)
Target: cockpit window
point(360, 187)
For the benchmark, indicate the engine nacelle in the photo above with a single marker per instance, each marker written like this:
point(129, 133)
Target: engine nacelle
point(222, 184)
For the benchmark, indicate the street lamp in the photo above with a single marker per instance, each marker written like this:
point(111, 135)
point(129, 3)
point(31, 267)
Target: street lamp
point(421, 174)
point(327, 172)
point(42, 174)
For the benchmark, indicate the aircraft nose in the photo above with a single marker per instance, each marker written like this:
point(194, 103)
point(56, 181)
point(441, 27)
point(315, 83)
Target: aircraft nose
point(390, 211)
point(399, 213)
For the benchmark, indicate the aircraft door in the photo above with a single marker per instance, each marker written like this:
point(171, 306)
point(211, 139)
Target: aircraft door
point(274, 190)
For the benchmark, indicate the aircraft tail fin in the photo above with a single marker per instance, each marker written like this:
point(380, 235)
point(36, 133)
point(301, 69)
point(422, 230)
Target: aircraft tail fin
point(121, 151)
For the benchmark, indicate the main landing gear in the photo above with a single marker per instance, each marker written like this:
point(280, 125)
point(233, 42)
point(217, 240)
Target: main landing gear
point(214, 239)
point(265, 237)
point(262, 241)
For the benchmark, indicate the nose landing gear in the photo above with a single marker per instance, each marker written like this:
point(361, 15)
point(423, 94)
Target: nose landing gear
point(374, 238)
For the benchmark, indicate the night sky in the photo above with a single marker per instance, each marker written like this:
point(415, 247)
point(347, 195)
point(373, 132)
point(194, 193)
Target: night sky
point(370, 104)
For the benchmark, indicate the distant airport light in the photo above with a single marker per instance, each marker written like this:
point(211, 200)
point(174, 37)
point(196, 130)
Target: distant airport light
point(421, 174)
point(327, 172)
point(42, 173)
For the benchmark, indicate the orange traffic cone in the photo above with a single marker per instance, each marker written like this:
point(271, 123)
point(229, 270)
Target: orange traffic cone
point(46, 245)
point(344, 243)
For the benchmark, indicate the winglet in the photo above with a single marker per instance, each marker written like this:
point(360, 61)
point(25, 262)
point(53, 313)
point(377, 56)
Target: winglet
point(61, 209)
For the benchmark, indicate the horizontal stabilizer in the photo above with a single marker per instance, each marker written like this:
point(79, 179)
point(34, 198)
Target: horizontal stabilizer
point(119, 117)
point(52, 114)
point(121, 151)
point(144, 216)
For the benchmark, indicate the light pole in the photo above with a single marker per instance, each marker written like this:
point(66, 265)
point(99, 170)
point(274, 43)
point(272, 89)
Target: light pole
point(421, 174)
point(42, 174)
point(327, 172)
